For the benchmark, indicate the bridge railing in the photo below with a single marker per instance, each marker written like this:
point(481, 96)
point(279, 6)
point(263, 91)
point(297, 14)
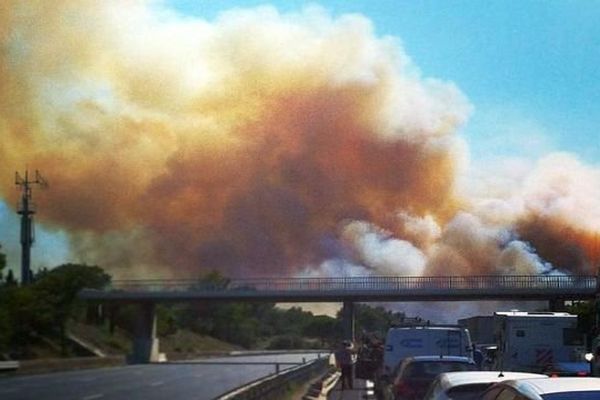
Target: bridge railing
point(368, 283)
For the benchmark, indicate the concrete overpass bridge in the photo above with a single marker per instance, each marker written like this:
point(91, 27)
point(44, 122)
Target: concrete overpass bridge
point(346, 290)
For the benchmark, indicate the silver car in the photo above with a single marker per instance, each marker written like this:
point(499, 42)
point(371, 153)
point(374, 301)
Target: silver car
point(469, 385)
point(562, 388)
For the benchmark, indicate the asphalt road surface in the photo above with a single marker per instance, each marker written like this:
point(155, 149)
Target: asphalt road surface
point(180, 380)
point(363, 390)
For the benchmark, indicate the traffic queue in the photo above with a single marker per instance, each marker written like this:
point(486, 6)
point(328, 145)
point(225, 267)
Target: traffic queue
point(534, 356)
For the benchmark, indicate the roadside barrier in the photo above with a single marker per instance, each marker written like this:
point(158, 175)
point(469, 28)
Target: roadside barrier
point(321, 388)
point(275, 385)
point(8, 366)
point(65, 364)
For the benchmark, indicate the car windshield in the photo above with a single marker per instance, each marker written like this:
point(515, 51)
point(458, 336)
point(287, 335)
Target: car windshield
point(579, 395)
point(432, 369)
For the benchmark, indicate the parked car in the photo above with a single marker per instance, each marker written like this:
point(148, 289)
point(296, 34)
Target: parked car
point(561, 388)
point(470, 385)
point(415, 374)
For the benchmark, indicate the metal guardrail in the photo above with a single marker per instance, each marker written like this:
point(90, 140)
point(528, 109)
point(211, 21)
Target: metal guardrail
point(276, 364)
point(372, 288)
point(9, 366)
point(376, 283)
point(274, 386)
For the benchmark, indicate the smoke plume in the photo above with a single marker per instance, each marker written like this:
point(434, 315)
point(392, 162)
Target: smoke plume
point(261, 144)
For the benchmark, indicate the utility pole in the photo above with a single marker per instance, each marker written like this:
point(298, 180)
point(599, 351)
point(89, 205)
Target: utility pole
point(26, 209)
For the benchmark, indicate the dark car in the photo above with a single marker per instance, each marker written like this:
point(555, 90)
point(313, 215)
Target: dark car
point(576, 368)
point(415, 374)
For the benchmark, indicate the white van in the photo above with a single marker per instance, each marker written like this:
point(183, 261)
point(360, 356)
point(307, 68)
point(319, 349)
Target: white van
point(434, 340)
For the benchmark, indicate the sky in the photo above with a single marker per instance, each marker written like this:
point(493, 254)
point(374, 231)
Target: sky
point(535, 61)
point(528, 71)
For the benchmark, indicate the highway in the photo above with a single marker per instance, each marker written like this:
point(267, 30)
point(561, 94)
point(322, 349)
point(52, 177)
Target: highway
point(178, 380)
point(360, 392)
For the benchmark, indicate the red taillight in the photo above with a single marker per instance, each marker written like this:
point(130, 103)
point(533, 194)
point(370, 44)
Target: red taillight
point(582, 373)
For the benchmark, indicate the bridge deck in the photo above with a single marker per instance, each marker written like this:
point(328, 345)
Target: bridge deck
point(373, 288)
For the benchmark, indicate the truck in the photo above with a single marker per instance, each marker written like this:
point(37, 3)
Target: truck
point(536, 341)
point(428, 340)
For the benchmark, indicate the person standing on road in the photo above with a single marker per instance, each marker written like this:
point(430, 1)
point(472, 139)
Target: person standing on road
point(596, 362)
point(344, 359)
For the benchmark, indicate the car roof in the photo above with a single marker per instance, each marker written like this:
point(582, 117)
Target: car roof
point(428, 327)
point(459, 378)
point(440, 358)
point(545, 314)
point(555, 385)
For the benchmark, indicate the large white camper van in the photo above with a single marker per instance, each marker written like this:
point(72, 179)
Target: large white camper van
point(534, 341)
point(442, 340)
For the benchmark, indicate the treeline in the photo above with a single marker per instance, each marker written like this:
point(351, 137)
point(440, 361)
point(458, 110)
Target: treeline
point(41, 312)
point(30, 315)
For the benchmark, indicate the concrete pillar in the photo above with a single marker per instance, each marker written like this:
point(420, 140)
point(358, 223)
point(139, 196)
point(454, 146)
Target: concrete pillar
point(597, 315)
point(348, 320)
point(145, 342)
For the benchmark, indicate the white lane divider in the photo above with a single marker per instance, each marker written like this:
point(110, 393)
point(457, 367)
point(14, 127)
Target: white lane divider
point(157, 383)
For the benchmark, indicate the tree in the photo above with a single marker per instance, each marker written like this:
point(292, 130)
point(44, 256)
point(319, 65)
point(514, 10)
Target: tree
point(375, 320)
point(326, 328)
point(586, 318)
point(2, 263)
point(58, 289)
point(214, 279)
point(166, 320)
point(10, 278)
point(23, 317)
point(238, 323)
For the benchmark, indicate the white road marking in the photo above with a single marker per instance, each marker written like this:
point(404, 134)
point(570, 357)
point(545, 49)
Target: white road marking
point(93, 396)
point(157, 383)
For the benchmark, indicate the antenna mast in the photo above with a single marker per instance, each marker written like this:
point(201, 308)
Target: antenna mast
point(26, 208)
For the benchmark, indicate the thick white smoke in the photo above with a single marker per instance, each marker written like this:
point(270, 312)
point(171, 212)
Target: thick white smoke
point(266, 143)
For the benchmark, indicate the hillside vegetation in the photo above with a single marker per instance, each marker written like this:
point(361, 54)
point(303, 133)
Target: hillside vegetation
point(46, 319)
point(181, 344)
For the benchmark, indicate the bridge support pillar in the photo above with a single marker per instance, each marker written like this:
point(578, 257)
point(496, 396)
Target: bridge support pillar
point(145, 342)
point(348, 320)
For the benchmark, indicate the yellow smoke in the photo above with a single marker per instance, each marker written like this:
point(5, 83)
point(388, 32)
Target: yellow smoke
point(260, 143)
point(235, 144)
